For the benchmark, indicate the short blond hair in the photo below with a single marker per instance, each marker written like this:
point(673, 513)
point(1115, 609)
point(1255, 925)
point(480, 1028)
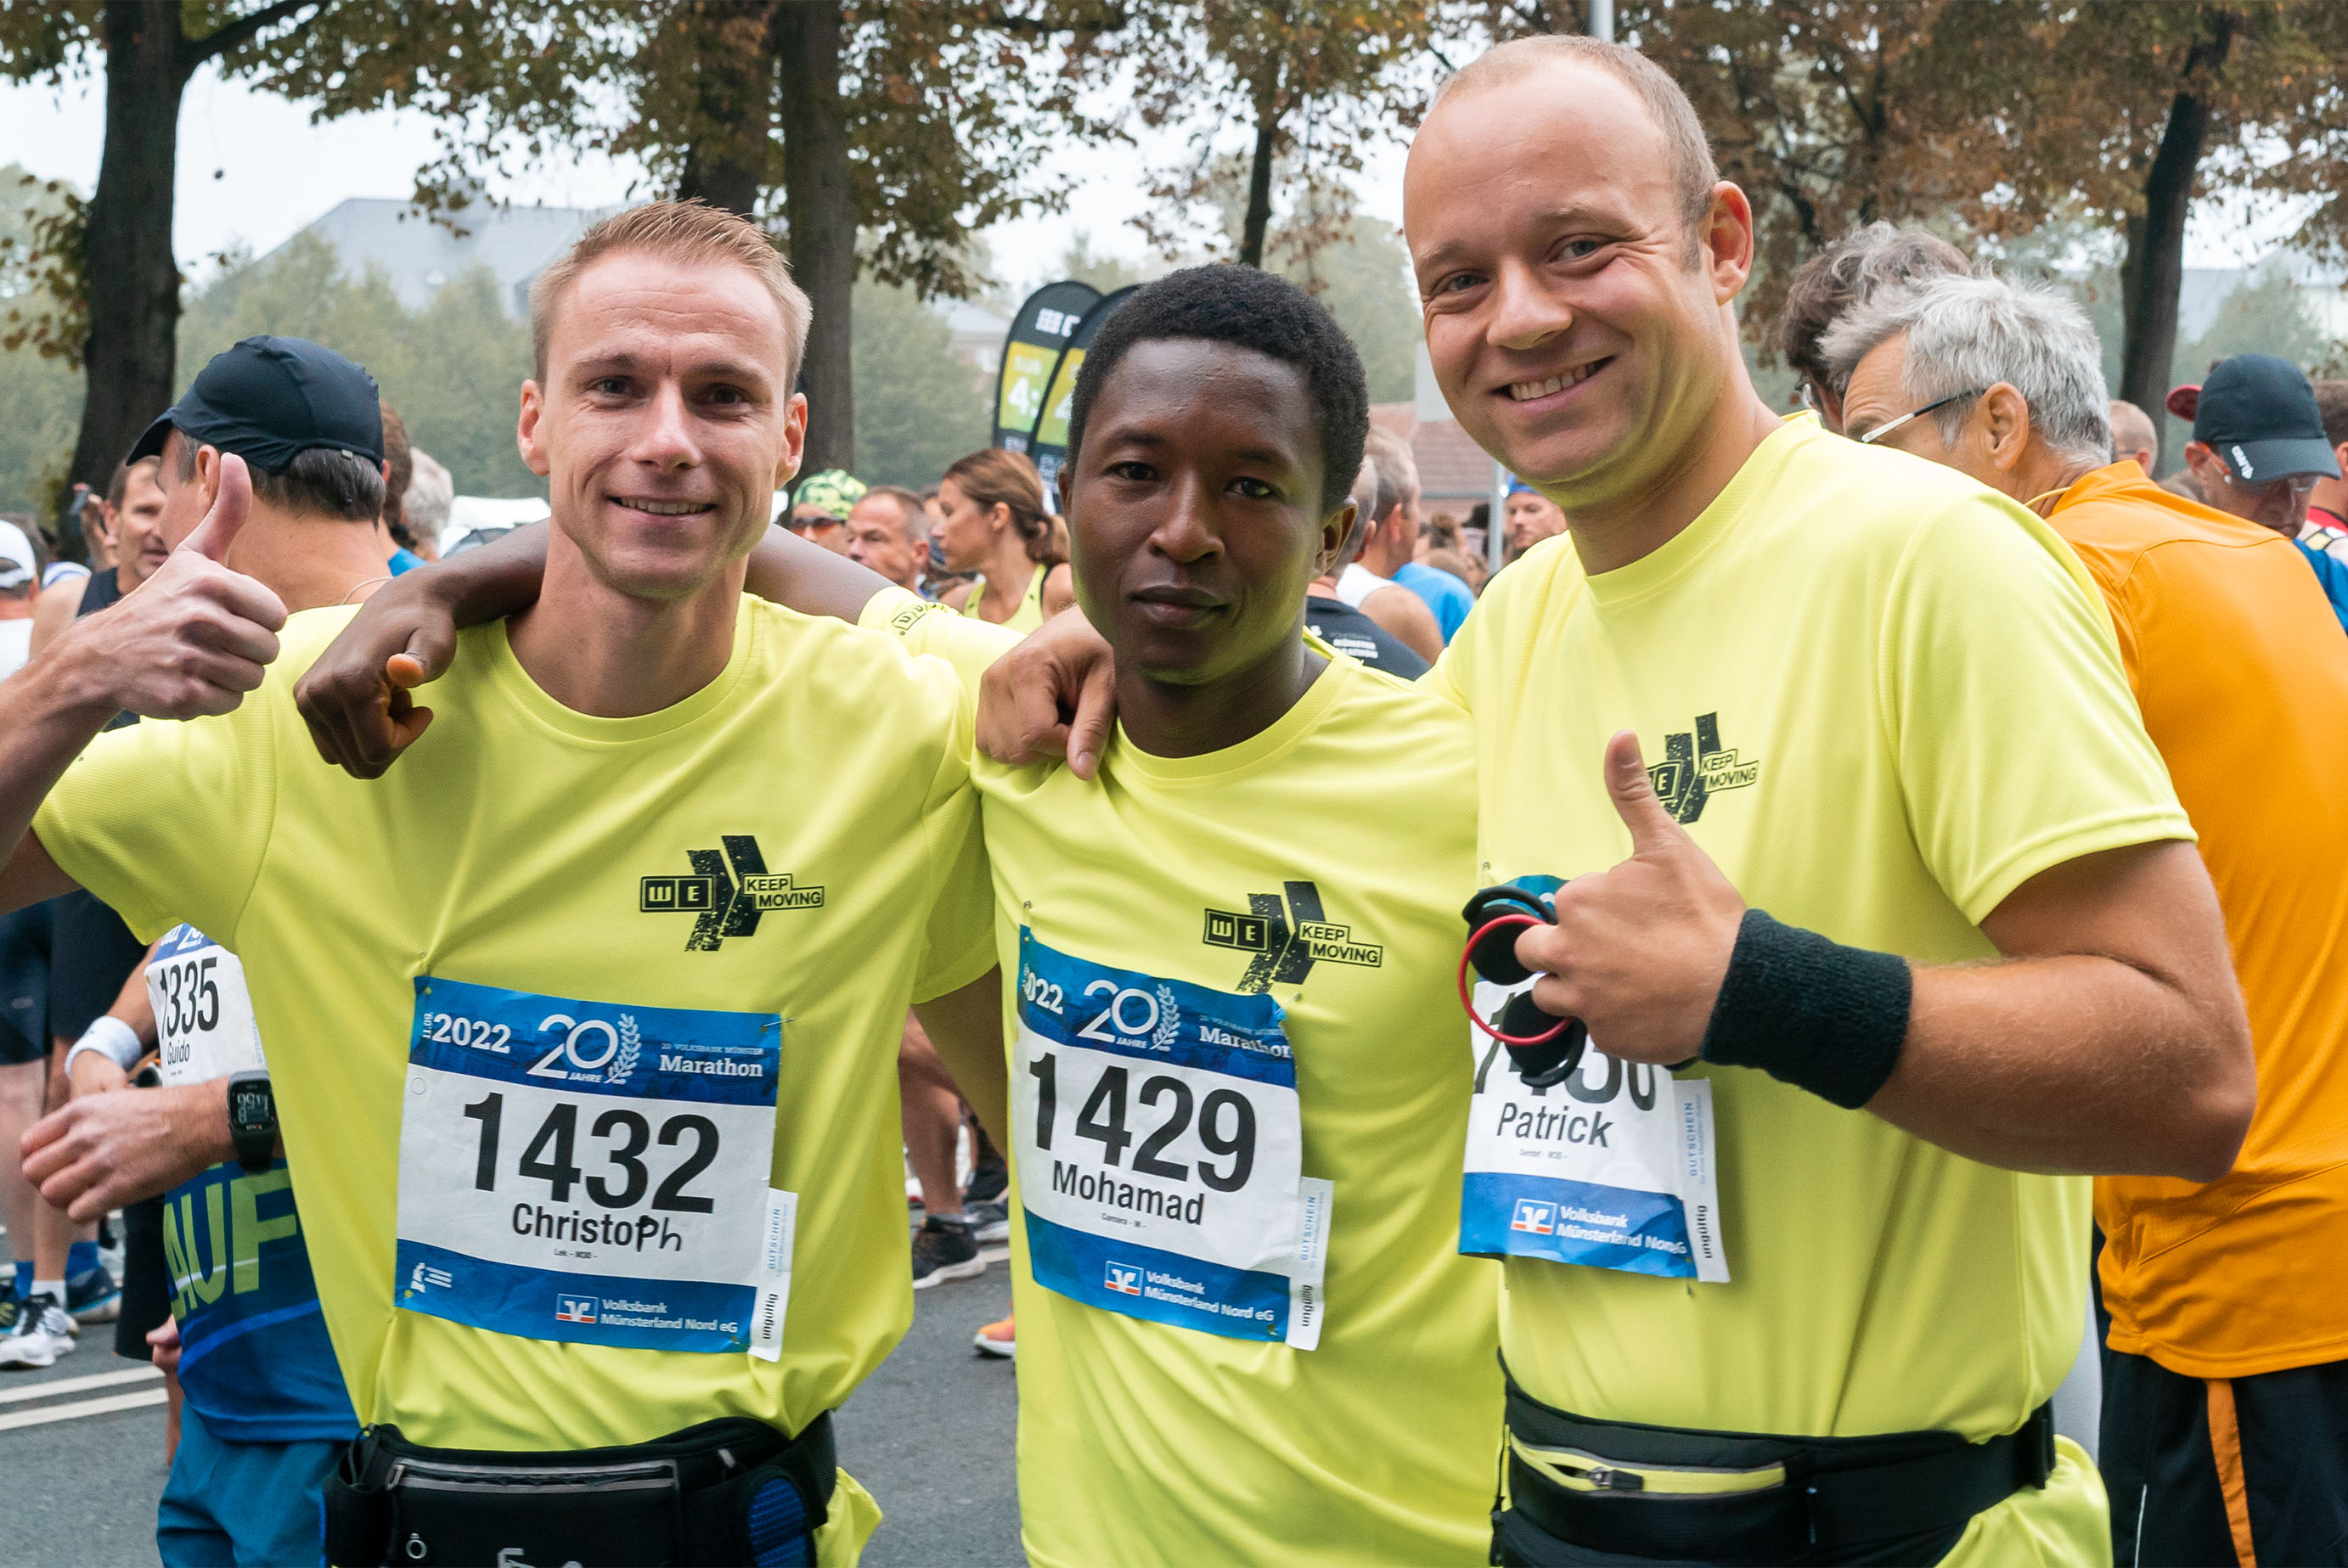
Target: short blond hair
point(676, 232)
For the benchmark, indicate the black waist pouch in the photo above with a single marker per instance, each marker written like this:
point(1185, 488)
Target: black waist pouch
point(1589, 1492)
point(731, 1493)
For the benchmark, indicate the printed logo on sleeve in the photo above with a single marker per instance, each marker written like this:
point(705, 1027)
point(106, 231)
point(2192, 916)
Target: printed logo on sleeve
point(1287, 939)
point(727, 895)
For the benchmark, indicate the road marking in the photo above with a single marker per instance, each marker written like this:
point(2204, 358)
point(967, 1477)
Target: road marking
point(79, 1385)
point(144, 1397)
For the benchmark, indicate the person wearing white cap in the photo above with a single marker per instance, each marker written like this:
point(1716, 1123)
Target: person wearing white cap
point(19, 572)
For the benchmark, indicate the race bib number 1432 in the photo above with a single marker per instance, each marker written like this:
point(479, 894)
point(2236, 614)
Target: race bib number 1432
point(595, 1172)
point(1161, 1152)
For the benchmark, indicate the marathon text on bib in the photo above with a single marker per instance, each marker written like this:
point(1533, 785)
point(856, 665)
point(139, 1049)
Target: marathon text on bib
point(1611, 1169)
point(1161, 1152)
point(592, 1173)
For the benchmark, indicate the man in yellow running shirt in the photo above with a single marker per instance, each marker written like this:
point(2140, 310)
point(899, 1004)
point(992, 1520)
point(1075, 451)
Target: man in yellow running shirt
point(1851, 854)
point(1235, 1103)
point(582, 1029)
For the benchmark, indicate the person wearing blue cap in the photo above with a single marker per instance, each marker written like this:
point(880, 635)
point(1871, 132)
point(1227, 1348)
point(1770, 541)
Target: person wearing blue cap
point(1532, 517)
point(2259, 448)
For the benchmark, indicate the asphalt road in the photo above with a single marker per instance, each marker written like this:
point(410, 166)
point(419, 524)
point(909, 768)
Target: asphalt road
point(929, 1435)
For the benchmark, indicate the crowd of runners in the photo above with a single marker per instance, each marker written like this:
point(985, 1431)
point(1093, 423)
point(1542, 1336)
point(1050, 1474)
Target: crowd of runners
point(1875, 822)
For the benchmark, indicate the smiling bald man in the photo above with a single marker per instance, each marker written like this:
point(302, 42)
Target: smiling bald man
point(1883, 919)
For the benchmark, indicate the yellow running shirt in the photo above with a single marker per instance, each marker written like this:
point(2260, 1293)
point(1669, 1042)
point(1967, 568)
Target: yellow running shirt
point(1881, 698)
point(1299, 891)
point(1027, 618)
point(536, 905)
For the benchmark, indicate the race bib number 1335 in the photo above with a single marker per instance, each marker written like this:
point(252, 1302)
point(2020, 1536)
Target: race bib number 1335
point(592, 1172)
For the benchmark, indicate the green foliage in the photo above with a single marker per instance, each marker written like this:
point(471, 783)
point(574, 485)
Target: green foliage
point(40, 391)
point(918, 407)
point(454, 369)
point(40, 410)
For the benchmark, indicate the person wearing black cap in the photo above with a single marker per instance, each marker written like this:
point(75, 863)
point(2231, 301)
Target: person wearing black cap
point(265, 1412)
point(2258, 449)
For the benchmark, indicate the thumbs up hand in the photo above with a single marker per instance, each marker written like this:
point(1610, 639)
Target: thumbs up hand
point(1639, 951)
point(194, 638)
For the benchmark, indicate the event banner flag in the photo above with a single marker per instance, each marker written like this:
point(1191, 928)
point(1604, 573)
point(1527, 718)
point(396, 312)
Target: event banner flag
point(1038, 332)
point(1051, 447)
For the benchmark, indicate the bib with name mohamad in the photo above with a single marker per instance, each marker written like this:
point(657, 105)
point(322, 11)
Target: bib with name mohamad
point(1161, 1152)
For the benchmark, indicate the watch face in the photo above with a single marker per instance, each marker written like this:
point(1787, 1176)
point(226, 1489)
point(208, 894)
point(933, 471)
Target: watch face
point(250, 1105)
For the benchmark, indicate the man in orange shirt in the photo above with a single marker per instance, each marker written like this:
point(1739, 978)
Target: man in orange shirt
point(2225, 1433)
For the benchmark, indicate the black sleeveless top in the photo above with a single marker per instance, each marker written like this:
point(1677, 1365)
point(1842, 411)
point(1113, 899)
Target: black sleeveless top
point(104, 588)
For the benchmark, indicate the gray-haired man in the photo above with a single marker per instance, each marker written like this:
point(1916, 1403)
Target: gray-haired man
point(2224, 1371)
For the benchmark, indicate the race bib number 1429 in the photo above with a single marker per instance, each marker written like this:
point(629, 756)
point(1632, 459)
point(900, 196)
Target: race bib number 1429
point(593, 1171)
point(1161, 1152)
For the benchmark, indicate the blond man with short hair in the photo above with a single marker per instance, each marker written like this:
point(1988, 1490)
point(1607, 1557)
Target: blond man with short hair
point(581, 1027)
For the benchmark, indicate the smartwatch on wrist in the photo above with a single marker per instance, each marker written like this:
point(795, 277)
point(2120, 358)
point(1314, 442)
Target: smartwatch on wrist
point(253, 1120)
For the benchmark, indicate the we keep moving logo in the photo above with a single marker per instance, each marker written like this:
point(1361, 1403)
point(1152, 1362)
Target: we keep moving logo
point(1125, 1278)
point(727, 895)
point(1534, 1218)
point(1696, 766)
point(1286, 949)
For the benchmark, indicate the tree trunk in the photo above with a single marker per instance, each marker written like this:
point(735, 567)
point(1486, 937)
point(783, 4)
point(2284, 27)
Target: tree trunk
point(133, 282)
point(821, 202)
point(1259, 206)
point(733, 63)
point(2154, 268)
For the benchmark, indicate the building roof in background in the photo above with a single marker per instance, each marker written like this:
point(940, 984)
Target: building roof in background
point(1452, 469)
point(418, 255)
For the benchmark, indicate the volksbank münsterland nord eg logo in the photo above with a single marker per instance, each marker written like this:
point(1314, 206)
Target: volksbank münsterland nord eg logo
point(727, 894)
point(1697, 766)
point(1285, 950)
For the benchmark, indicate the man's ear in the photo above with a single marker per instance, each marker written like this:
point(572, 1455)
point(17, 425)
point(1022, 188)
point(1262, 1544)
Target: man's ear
point(208, 477)
point(1335, 529)
point(2005, 420)
point(527, 436)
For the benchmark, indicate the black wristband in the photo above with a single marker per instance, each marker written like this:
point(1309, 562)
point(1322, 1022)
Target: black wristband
point(1817, 1014)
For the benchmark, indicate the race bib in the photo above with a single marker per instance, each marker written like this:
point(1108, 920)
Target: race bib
point(1161, 1152)
point(591, 1172)
point(1612, 1168)
point(203, 1014)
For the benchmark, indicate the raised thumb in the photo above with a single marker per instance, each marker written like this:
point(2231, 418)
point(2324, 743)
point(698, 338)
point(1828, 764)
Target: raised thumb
point(1632, 790)
point(214, 536)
